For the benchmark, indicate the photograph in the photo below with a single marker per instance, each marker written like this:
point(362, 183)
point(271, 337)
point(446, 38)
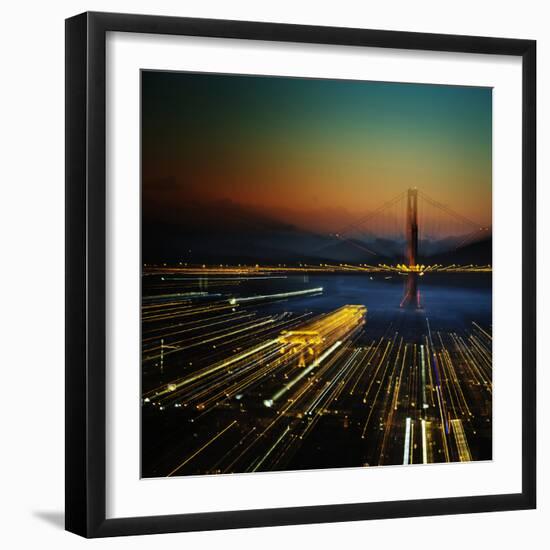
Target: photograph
point(316, 285)
point(286, 275)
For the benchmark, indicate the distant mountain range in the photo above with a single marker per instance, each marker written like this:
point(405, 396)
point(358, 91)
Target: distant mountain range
point(224, 232)
point(478, 253)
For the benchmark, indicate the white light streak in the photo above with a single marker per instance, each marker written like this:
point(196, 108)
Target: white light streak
point(407, 446)
point(234, 301)
point(305, 372)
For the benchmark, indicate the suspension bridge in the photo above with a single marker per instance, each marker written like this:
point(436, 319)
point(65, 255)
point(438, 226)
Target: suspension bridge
point(251, 368)
point(411, 226)
point(413, 216)
point(428, 224)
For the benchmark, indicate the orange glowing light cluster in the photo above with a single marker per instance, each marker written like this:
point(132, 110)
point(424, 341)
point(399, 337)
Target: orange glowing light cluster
point(247, 271)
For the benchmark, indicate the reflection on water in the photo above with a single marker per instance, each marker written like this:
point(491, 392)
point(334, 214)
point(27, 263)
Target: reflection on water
point(265, 373)
point(451, 302)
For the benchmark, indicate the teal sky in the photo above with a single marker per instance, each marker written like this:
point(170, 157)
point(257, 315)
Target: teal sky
point(313, 152)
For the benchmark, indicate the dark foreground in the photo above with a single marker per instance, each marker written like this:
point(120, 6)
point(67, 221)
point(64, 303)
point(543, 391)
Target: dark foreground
point(262, 373)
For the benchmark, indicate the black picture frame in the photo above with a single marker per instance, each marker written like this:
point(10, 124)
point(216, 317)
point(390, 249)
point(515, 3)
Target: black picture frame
point(86, 279)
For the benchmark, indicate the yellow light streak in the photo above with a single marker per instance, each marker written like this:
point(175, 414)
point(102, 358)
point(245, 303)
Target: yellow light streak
point(464, 454)
point(198, 451)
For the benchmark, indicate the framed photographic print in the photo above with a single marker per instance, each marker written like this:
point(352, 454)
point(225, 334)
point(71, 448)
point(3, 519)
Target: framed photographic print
point(300, 274)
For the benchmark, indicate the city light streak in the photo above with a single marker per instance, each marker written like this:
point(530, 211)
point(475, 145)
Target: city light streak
point(424, 402)
point(424, 442)
point(262, 460)
point(234, 301)
point(301, 374)
point(272, 271)
point(174, 386)
point(176, 347)
point(461, 441)
point(407, 444)
point(198, 451)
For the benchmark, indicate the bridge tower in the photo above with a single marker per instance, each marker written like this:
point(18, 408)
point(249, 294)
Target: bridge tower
point(411, 295)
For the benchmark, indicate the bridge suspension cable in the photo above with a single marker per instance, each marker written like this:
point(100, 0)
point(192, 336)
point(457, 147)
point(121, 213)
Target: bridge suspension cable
point(440, 227)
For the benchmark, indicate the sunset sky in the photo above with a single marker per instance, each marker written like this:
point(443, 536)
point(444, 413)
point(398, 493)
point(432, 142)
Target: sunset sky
point(315, 154)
